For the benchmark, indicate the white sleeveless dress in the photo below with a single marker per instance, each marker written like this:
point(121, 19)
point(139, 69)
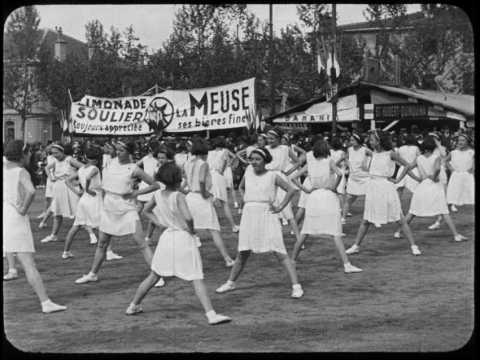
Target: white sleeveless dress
point(409, 153)
point(49, 184)
point(228, 173)
point(428, 199)
point(358, 176)
point(17, 234)
point(88, 208)
point(150, 167)
point(382, 204)
point(260, 230)
point(177, 251)
point(279, 163)
point(202, 210)
point(181, 159)
point(216, 161)
point(337, 155)
point(443, 172)
point(322, 209)
point(461, 186)
point(302, 201)
point(118, 216)
point(64, 200)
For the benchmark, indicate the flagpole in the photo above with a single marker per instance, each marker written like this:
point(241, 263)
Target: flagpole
point(333, 75)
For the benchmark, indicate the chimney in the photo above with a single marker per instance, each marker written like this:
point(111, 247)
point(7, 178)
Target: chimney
point(60, 46)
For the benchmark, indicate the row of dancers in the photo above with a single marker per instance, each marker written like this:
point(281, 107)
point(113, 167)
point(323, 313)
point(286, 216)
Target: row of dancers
point(181, 199)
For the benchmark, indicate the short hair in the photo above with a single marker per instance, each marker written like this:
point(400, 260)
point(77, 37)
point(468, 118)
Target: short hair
point(199, 147)
point(169, 174)
point(321, 149)
point(164, 149)
point(385, 140)
point(67, 149)
point(264, 153)
point(15, 149)
point(336, 143)
point(410, 139)
point(428, 143)
point(218, 141)
point(92, 153)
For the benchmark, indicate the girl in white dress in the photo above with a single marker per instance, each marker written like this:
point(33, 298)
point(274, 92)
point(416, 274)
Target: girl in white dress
point(90, 203)
point(182, 156)
point(338, 155)
point(18, 194)
point(232, 163)
point(65, 200)
point(281, 155)
point(409, 151)
point(461, 186)
point(429, 198)
point(260, 230)
point(48, 191)
point(322, 209)
point(382, 203)
point(200, 199)
point(299, 152)
point(118, 215)
point(244, 154)
point(177, 251)
point(217, 160)
point(357, 161)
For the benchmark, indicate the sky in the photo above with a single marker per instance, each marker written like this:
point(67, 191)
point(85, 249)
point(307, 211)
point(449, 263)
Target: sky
point(154, 23)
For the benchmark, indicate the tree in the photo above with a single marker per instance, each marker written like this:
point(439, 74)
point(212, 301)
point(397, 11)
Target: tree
point(19, 90)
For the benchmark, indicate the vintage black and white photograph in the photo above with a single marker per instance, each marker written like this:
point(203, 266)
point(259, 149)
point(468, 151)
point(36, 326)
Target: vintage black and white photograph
point(238, 178)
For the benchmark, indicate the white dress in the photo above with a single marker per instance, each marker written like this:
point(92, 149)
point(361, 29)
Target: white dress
point(202, 210)
point(64, 200)
point(279, 163)
point(337, 155)
point(118, 216)
point(181, 159)
point(49, 184)
point(260, 230)
point(461, 186)
point(322, 209)
point(443, 172)
point(17, 234)
point(216, 162)
point(409, 153)
point(88, 208)
point(302, 201)
point(358, 176)
point(150, 167)
point(177, 251)
point(382, 204)
point(228, 173)
point(428, 199)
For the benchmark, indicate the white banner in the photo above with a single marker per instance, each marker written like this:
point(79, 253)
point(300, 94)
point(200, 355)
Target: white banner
point(221, 107)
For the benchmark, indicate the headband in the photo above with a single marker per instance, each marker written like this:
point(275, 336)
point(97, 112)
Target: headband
point(357, 137)
point(122, 144)
point(189, 142)
point(260, 152)
point(58, 147)
point(263, 135)
point(273, 132)
point(285, 136)
point(465, 136)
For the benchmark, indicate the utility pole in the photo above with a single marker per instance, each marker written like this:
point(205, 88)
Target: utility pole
point(333, 75)
point(270, 53)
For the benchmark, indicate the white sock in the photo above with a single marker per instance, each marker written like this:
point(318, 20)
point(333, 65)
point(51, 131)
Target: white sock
point(296, 286)
point(210, 314)
point(230, 282)
point(46, 302)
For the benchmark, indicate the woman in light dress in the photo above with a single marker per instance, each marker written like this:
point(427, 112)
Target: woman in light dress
point(322, 208)
point(18, 194)
point(260, 230)
point(409, 151)
point(177, 251)
point(217, 160)
point(429, 198)
point(48, 189)
point(382, 203)
point(198, 179)
point(338, 155)
point(357, 160)
point(461, 185)
point(119, 216)
point(65, 200)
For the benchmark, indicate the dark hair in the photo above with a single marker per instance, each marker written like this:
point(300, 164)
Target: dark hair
point(153, 145)
point(428, 143)
point(264, 153)
point(130, 147)
point(336, 143)
point(199, 147)
point(92, 153)
point(164, 149)
point(385, 140)
point(67, 149)
point(410, 139)
point(15, 149)
point(358, 137)
point(181, 146)
point(218, 141)
point(321, 149)
point(169, 174)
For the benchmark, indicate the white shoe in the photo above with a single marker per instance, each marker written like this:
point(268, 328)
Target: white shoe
point(284, 222)
point(11, 275)
point(349, 268)
point(228, 286)
point(235, 205)
point(147, 239)
point(240, 210)
point(236, 229)
point(434, 226)
point(292, 232)
point(67, 255)
point(87, 278)
point(217, 319)
point(343, 221)
point(133, 309)
point(160, 283)
point(460, 238)
point(397, 235)
point(415, 250)
point(297, 291)
point(349, 214)
point(354, 249)
point(112, 256)
point(41, 215)
point(42, 225)
point(229, 262)
point(93, 238)
point(49, 238)
point(453, 208)
point(50, 307)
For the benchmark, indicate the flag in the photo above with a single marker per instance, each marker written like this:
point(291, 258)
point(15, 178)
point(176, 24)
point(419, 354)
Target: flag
point(63, 121)
point(320, 66)
point(336, 66)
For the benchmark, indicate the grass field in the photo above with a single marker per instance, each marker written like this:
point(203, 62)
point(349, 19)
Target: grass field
point(399, 303)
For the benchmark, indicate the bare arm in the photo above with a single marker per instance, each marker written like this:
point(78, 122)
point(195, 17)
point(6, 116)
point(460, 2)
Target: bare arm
point(241, 155)
point(183, 208)
point(290, 191)
point(90, 176)
point(407, 168)
point(69, 182)
point(75, 163)
point(296, 178)
point(29, 190)
point(203, 176)
point(148, 212)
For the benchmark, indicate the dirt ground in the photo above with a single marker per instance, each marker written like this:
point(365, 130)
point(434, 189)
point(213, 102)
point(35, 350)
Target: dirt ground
point(399, 303)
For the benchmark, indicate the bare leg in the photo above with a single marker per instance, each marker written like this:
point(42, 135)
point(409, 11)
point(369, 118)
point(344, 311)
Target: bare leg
point(287, 264)
point(71, 234)
point(408, 219)
point(11, 261)
point(362, 231)
point(201, 292)
point(341, 249)
point(348, 204)
point(145, 287)
point(100, 252)
point(240, 262)
point(57, 223)
point(406, 230)
point(139, 238)
point(32, 274)
point(294, 227)
point(299, 216)
point(150, 229)
point(451, 225)
point(228, 213)
point(48, 202)
point(298, 246)
point(47, 215)
point(217, 239)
